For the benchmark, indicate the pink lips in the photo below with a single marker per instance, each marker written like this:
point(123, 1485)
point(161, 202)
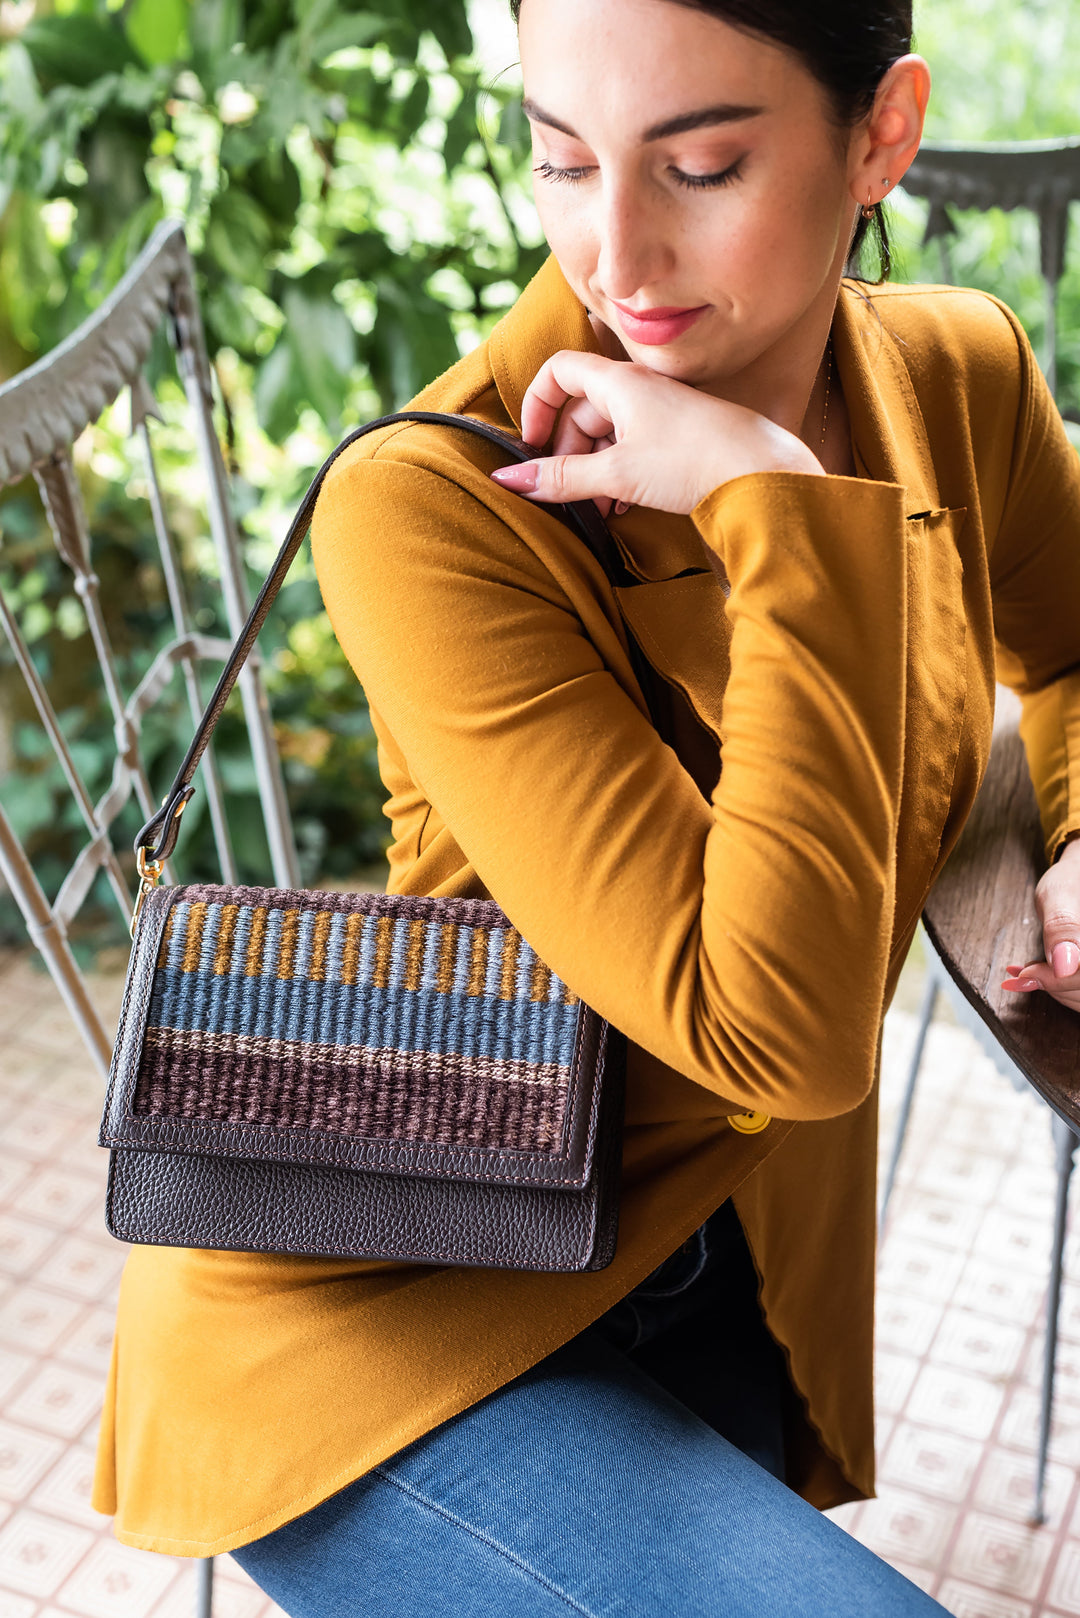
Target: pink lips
point(657, 326)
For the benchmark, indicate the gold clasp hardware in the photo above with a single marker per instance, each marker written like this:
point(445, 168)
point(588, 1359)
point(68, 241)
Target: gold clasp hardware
point(149, 877)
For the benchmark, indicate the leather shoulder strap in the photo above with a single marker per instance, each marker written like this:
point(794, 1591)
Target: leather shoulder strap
point(157, 839)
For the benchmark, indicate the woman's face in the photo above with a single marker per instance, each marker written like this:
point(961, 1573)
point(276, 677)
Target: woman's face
point(681, 165)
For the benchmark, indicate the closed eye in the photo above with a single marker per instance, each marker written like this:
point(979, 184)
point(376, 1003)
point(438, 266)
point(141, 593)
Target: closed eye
point(709, 182)
point(692, 182)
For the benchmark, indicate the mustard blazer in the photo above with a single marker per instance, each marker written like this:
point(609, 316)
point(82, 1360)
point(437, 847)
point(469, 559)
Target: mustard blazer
point(748, 941)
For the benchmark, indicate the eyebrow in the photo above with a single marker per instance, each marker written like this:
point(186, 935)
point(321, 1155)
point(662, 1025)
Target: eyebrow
point(703, 118)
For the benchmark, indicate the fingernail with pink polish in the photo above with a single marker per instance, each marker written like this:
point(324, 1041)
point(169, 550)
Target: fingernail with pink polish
point(1065, 959)
point(522, 478)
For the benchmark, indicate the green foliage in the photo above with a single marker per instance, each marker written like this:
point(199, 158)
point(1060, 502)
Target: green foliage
point(356, 223)
point(1000, 73)
point(326, 155)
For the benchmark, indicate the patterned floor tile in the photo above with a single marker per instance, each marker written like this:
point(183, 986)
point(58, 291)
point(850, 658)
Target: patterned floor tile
point(57, 1400)
point(1064, 1592)
point(909, 1267)
point(25, 1457)
point(930, 1462)
point(1028, 1189)
point(89, 1344)
point(906, 1325)
point(907, 1527)
point(65, 1492)
point(38, 1553)
point(14, 1370)
point(940, 1221)
point(36, 1131)
point(1020, 1426)
point(977, 1344)
point(893, 1377)
point(14, 1173)
point(13, 1606)
point(23, 1244)
point(1014, 1241)
point(36, 1320)
point(117, 1582)
point(1006, 1486)
point(57, 1197)
point(955, 1402)
point(83, 1268)
point(969, 1177)
point(231, 1600)
point(1006, 1557)
point(966, 1601)
point(989, 1289)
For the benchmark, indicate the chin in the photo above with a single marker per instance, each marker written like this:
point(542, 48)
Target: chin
point(693, 368)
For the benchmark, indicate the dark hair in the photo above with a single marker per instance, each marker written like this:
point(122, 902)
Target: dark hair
point(848, 45)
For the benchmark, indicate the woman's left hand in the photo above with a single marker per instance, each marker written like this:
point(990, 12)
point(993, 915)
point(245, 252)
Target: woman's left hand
point(1057, 900)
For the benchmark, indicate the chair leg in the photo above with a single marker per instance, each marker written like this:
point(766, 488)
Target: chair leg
point(204, 1588)
point(926, 1012)
point(1065, 1144)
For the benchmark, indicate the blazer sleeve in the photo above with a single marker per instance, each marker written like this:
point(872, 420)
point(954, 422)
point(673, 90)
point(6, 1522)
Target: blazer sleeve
point(744, 942)
point(1035, 586)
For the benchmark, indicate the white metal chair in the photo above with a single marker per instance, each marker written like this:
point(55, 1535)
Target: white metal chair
point(980, 916)
point(43, 410)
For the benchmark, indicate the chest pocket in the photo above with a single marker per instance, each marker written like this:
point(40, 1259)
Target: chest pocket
point(936, 699)
point(682, 628)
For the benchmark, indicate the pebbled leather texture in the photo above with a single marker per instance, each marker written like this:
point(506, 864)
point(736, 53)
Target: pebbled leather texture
point(174, 1199)
point(201, 1183)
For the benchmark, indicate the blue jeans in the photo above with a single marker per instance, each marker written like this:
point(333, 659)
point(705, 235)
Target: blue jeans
point(584, 1486)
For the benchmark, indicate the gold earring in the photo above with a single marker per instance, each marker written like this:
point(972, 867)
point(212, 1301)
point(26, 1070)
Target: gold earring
point(868, 206)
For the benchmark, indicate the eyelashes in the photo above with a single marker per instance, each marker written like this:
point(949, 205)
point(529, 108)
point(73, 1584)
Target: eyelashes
point(690, 182)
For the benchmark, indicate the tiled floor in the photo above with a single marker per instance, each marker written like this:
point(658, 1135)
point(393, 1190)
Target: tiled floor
point(58, 1277)
point(959, 1328)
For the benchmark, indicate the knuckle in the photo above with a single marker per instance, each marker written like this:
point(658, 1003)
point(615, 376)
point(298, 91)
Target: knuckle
point(1058, 918)
point(556, 480)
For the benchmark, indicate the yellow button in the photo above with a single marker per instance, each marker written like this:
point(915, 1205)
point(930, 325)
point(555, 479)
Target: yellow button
point(749, 1123)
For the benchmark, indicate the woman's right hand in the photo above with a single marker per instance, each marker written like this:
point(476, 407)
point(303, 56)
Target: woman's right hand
point(630, 436)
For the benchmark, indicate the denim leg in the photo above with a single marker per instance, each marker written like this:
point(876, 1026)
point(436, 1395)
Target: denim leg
point(581, 1487)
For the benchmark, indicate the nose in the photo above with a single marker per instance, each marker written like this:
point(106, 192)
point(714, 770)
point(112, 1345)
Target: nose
point(634, 249)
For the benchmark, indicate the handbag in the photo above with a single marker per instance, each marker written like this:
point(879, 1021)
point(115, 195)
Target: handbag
point(358, 1075)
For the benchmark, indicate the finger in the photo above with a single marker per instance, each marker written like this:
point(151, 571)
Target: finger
point(564, 376)
point(1057, 901)
point(580, 428)
point(1036, 975)
point(562, 478)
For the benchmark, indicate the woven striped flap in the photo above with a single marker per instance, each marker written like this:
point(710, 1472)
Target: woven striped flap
point(383, 1031)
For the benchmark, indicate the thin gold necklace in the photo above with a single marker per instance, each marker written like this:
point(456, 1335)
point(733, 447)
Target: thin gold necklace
point(828, 382)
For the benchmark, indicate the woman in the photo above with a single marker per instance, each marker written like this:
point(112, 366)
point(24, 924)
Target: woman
point(833, 496)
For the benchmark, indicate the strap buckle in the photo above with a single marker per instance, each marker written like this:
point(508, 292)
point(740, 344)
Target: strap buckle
point(150, 867)
point(149, 876)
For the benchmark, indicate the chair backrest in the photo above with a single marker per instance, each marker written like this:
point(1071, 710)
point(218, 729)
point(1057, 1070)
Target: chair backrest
point(1042, 175)
point(981, 916)
point(43, 410)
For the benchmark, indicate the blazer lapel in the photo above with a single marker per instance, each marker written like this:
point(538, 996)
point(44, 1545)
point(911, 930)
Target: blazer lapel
point(887, 428)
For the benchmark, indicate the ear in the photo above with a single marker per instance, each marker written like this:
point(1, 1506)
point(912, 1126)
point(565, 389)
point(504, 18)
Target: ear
point(884, 146)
